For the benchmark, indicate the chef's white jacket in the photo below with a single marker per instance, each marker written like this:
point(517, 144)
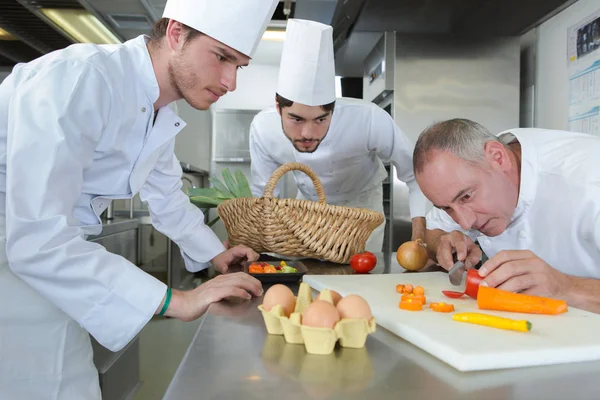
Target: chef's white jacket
point(76, 130)
point(349, 160)
point(558, 211)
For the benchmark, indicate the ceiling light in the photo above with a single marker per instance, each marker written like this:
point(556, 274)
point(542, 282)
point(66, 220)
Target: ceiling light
point(6, 36)
point(272, 34)
point(81, 25)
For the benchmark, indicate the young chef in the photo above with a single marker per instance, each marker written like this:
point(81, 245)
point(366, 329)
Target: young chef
point(343, 141)
point(94, 119)
point(530, 197)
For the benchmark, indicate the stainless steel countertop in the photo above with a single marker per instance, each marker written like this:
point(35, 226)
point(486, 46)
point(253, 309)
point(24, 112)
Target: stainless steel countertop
point(232, 356)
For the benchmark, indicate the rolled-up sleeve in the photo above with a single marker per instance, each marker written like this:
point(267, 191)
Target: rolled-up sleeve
point(55, 119)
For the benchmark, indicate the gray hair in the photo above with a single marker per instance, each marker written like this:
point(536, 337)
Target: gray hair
point(463, 138)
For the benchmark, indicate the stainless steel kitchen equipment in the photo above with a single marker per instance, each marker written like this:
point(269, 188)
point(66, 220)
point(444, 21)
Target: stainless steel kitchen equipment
point(425, 78)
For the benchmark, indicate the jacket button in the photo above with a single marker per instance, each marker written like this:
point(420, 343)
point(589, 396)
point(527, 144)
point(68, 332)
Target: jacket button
point(176, 123)
point(522, 234)
point(143, 109)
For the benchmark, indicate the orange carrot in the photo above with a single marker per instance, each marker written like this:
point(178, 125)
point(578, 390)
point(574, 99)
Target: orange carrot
point(442, 307)
point(419, 290)
point(400, 288)
point(410, 296)
point(408, 288)
point(411, 305)
point(501, 300)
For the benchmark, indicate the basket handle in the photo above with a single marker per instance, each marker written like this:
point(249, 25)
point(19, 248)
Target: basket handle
point(291, 166)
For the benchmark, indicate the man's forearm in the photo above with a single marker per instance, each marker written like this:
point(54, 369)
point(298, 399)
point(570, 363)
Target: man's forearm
point(418, 228)
point(432, 238)
point(583, 293)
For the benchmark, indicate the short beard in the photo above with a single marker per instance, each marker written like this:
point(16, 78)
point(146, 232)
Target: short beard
point(294, 142)
point(174, 81)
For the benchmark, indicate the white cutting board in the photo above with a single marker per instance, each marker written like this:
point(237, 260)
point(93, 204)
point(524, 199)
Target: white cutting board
point(570, 337)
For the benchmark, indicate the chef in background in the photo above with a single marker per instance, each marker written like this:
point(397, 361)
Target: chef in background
point(344, 141)
point(80, 127)
point(529, 197)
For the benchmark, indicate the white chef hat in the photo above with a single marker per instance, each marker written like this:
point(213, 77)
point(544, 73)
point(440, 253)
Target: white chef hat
point(307, 68)
point(239, 24)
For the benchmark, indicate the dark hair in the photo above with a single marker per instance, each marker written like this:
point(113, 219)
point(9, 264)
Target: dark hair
point(283, 102)
point(160, 30)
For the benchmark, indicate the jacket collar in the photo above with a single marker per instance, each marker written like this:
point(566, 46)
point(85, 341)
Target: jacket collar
point(142, 64)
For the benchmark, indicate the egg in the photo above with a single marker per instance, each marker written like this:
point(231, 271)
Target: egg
point(335, 296)
point(354, 306)
point(280, 294)
point(320, 314)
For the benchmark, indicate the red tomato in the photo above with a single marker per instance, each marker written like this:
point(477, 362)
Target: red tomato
point(473, 281)
point(363, 262)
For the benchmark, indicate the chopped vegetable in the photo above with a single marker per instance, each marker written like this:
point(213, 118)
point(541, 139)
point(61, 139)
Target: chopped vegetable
point(261, 267)
point(255, 269)
point(419, 290)
point(442, 307)
point(501, 300)
point(493, 321)
point(400, 288)
point(414, 297)
point(408, 288)
point(411, 305)
point(269, 269)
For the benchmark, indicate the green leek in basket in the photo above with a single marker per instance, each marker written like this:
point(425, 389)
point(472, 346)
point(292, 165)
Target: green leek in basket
point(230, 188)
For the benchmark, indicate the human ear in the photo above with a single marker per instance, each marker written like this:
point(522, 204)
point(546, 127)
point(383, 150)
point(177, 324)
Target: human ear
point(175, 35)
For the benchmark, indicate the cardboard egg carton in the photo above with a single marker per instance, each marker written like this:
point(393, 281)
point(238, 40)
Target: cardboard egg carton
point(350, 332)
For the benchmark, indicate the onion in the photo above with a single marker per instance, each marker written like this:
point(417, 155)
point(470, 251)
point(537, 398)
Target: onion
point(412, 255)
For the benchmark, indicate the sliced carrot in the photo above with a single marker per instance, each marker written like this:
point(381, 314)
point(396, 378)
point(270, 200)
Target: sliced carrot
point(400, 288)
point(408, 288)
point(411, 305)
point(419, 290)
point(442, 307)
point(414, 297)
point(500, 300)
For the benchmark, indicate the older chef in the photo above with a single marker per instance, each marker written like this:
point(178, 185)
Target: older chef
point(80, 127)
point(344, 141)
point(530, 197)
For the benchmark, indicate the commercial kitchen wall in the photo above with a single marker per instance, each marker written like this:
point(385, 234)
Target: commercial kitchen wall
point(552, 82)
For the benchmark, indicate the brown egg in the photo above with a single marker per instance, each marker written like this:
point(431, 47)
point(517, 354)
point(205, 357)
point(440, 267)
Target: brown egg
point(335, 296)
point(320, 314)
point(280, 294)
point(354, 306)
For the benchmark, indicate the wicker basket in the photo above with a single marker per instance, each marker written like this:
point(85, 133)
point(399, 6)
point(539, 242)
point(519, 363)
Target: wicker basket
point(298, 228)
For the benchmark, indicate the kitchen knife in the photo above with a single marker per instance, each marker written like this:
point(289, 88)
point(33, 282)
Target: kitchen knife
point(456, 273)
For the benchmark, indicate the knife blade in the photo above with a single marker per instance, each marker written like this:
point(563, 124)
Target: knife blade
point(456, 273)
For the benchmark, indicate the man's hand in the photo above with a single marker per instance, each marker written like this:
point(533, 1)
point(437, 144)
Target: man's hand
point(233, 255)
point(418, 229)
point(459, 243)
point(190, 305)
point(523, 271)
